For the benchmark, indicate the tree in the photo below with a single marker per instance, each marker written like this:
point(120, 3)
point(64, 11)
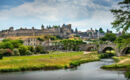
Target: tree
point(109, 37)
point(16, 52)
point(122, 16)
point(101, 30)
point(31, 48)
point(16, 43)
point(6, 45)
point(39, 49)
point(23, 49)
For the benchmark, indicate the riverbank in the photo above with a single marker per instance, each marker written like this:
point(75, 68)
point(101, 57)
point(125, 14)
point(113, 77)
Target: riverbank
point(122, 63)
point(54, 60)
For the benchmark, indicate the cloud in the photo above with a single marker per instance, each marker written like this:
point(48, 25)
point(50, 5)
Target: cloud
point(77, 12)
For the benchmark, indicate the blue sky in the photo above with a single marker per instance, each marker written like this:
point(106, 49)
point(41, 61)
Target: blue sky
point(83, 14)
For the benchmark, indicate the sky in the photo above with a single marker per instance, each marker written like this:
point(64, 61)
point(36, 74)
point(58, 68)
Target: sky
point(82, 14)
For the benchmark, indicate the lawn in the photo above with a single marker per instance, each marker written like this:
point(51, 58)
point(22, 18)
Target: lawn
point(122, 62)
point(53, 60)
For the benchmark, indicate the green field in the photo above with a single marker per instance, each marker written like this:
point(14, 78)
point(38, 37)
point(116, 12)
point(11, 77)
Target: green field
point(122, 63)
point(53, 60)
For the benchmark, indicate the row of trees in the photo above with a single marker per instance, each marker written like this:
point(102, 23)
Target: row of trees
point(10, 47)
point(72, 45)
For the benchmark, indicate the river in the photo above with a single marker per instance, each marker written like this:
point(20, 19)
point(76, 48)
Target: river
point(87, 71)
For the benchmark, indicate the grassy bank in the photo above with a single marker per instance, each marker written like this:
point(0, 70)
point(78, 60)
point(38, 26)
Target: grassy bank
point(122, 63)
point(54, 60)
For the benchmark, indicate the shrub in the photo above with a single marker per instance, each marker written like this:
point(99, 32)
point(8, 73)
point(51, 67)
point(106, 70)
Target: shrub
point(31, 48)
point(6, 45)
point(106, 55)
point(8, 52)
point(1, 54)
point(28, 52)
point(23, 49)
point(16, 52)
point(39, 49)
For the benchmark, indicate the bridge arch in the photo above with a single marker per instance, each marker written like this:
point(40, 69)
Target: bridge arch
point(125, 51)
point(90, 48)
point(104, 47)
point(107, 48)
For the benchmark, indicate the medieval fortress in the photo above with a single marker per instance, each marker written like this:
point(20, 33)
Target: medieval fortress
point(63, 31)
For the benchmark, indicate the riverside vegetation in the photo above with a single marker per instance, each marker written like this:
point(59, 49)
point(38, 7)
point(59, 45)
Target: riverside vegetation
point(53, 60)
point(122, 63)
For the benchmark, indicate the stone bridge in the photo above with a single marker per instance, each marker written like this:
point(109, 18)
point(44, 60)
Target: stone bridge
point(103, 47)
point(91, 47)
point(88, 47)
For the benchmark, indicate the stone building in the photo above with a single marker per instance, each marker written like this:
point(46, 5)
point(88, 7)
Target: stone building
point(32, 42)
point(62, 31)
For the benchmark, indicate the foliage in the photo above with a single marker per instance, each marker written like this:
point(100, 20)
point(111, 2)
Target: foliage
point(6, 52)
point(101, 30)
point(31, 48)
point(71, 44)
point(16, 43)
point(122, 62)
point(6, 45)
point(16, 52)
point(1, 56)
point(106, 55)
point(127, 75)
point(122, 41)
point(55, 26)
point(23, 49)
point(28, 52)
point(40, 49)
point(109, 37)
point(10, 44)
point(122, 16)
point(40, 39)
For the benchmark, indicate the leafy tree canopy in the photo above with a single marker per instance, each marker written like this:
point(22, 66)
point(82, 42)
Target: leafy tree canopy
point(122, 16)
point(109, 37)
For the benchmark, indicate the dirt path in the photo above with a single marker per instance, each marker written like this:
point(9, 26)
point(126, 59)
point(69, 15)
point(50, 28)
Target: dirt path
point(122, 61)
point(86, 52)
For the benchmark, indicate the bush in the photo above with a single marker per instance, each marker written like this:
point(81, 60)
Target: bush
point(23, 49)
point(16, 52)
point(31, 48)
point(6, 45)
point(28, 52)
point(1, 56)
point(8, 52)
point(106, 55)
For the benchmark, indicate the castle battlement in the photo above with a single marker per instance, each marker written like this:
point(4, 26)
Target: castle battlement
point(62, 31)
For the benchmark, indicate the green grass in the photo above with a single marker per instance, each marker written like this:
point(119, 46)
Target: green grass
point(53, 60)
point(122, 63)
